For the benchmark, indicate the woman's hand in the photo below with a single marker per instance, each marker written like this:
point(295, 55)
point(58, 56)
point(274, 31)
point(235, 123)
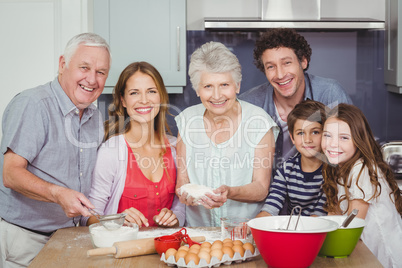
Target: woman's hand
point(166, 218)
point(185, 198)
point(135, 216)
point(211, 201)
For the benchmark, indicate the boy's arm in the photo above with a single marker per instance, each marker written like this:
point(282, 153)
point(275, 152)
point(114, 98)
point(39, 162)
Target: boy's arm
point(277, 194)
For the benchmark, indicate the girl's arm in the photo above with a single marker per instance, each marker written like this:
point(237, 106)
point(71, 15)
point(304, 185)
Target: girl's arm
point(361, 205)
point(257, 190)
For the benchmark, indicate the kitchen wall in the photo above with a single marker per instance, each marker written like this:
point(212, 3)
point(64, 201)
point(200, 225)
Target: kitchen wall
point(354, 58)
point(34, 33)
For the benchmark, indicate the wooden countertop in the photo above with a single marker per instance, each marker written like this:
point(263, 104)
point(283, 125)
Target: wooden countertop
point(68, 248)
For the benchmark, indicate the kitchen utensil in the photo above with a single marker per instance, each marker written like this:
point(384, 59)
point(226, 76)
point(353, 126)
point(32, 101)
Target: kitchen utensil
point(290, 248)
point(341, 242)
point(162, 245)
point(349, 218)
point(132, 248)
point(236, 229)
point(298, 217)
point(165, 242)
point(111, 222)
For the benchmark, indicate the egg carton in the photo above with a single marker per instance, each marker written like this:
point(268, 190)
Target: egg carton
point(226, 260)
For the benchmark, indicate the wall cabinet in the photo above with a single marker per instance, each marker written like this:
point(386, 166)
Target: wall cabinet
point(138, 30)
point(393, 46)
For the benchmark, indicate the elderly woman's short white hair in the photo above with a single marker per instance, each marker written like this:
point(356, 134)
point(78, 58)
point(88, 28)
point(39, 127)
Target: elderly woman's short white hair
point(213, 57)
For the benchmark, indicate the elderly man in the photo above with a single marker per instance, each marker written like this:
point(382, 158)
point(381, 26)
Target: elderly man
point(51, 134)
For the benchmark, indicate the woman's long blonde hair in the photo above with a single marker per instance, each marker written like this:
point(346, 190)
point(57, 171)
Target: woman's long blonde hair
point(368, 150)
point(119, 120)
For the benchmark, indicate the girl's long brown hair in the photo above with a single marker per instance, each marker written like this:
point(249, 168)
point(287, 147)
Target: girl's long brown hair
point(368, 150)
point(119, 120)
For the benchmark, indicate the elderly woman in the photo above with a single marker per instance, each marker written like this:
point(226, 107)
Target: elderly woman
point(224, 143)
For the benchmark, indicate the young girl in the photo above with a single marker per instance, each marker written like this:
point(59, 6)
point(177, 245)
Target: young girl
point(356, 177)
point(135, 171)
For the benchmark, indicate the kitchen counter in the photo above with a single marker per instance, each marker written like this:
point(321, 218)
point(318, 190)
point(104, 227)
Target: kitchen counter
point(68, 248)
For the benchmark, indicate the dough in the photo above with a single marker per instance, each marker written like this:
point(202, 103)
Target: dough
point(196, 191)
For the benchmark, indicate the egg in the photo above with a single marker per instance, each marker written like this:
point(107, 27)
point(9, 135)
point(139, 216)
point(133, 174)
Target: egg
point(192, 257)
point(186, 248)
point(180, 254)
point(227, 240)
point(206, 244)
point(217, 253)
point(238, 242)
point(194, 250)
point(195, 246)
point(228, 244)
point(238, 248)
point(229, 251)
point(205, 249)
point(170, 252)
point(217, 244)
point(249, 246)
point(204, 255)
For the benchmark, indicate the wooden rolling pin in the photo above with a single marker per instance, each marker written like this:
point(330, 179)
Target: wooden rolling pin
point(132, 248)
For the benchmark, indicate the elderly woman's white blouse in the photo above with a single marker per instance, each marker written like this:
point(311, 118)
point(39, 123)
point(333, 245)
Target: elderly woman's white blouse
point(383, 231)
point(229, 163)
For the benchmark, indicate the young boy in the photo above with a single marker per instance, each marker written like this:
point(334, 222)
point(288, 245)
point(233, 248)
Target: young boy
point(299, 180)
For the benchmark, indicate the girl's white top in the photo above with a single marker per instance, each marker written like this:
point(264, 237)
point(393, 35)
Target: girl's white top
point(383, 231)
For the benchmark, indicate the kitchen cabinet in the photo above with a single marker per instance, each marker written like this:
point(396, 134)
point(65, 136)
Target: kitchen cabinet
point(152, 31)
point(393, 46)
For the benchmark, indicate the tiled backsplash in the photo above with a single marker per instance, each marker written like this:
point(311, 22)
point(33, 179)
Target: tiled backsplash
point(354, 58)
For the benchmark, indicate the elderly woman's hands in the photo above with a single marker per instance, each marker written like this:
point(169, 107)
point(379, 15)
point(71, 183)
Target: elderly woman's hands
point(215, 201)
point(209, 201)
point(185, 198)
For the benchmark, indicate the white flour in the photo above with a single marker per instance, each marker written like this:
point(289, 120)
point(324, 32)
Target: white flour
point(101, 237)
point(196, 191)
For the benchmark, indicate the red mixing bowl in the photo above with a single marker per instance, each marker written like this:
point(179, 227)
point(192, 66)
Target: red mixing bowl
point(290, 248)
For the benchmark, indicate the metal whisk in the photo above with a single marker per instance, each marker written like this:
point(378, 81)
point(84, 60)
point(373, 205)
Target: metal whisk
point(290, 218)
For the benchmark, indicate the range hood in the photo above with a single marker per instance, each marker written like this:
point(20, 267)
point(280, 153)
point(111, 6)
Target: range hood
point(296, 14)
point(323, 23)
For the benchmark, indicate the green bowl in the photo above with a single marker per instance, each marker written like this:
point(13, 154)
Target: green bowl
point(341, 242)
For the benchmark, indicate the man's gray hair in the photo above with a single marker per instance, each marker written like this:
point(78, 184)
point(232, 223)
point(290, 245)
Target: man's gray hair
point(88, 39)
